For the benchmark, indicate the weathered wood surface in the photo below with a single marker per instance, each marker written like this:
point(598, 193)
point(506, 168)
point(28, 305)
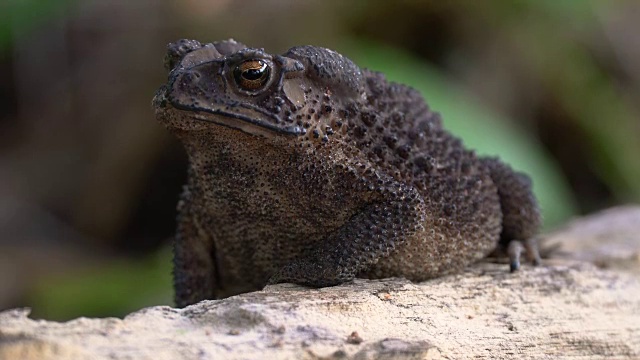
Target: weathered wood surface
point(567, 308)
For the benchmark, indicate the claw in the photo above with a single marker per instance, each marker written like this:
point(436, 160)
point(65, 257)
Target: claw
point(533, 254)
point(515, 249)
point(514, 266)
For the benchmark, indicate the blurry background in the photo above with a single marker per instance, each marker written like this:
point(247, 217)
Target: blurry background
point(89, 181)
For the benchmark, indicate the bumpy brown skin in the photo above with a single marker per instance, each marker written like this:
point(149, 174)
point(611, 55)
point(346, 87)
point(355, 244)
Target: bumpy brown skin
point(322, 173)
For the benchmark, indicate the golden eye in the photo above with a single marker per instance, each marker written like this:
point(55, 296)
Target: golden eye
point(252, 74)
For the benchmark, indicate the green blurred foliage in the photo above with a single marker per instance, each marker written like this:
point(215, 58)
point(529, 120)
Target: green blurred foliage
point(112, 289)
point(591, 97)
point(548, 37)
point(17, 17)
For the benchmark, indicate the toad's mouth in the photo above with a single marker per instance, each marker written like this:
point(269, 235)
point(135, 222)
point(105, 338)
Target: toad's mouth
point(241, 117)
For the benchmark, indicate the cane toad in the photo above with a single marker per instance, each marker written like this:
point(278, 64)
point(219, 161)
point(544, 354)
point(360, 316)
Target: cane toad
point(305, 168)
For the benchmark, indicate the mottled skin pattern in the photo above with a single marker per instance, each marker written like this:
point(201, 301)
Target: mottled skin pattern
point(306, 169)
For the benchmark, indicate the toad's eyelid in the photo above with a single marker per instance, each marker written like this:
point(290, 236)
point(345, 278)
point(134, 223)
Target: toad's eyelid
point(253, 65)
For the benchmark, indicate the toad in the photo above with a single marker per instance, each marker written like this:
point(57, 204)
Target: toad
point(304, 168)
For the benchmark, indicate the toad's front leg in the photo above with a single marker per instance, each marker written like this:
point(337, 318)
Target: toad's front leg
point(195, 270)
point(369, 235)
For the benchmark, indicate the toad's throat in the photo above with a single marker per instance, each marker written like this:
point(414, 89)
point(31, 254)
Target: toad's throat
point(244, 121)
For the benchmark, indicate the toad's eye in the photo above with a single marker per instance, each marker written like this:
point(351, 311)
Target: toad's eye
point(252, 74)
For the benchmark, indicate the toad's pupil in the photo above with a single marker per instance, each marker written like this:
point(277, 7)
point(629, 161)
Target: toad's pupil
point(253, 74)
